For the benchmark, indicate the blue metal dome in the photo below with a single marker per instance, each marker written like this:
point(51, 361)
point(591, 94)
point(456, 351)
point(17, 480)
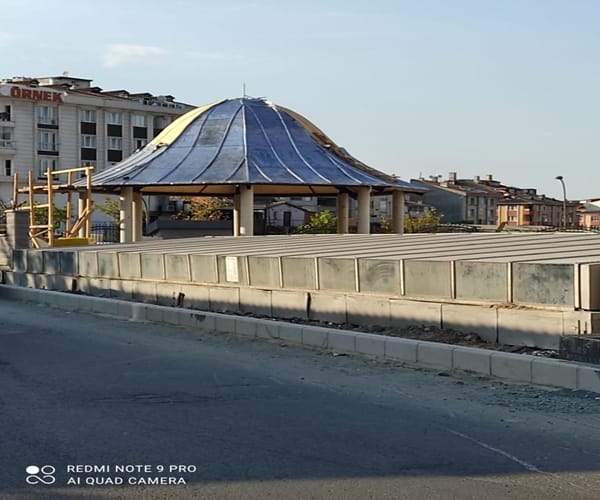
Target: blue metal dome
point(243, 141)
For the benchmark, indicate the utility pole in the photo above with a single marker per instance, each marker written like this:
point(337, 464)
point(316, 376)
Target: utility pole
point(564, 189)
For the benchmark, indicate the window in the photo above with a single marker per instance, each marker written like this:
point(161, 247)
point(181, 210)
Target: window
point(114, 118)
point(5, 137)
point(86, 163)
point(88, 115)
point(140, 143)
point(115, 143)
point(88, 141)
point(139, 120)
point(45, 164)
point(47, 141)
point(47, 115)
point(8, 168)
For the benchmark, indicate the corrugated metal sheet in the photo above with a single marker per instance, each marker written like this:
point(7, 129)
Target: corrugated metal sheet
point(244, 141)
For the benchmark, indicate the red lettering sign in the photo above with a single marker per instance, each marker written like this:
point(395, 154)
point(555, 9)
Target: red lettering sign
point(36, 95)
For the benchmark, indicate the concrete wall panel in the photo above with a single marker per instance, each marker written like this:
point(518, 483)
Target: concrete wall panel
point(534, 328)
point(224, 299)
point(130, 265)
point(108, 265)
point(481, 320)
point(289, 304)
point(337, 274)
point(481, 281)
point(255, 301)
point(590, 287)
point(365, 310)
point(410, 312)
point(427, 278)
point(543, 284)
point(204, 268)
point(153, 266)
point(232, 270)
point(298, 273)
point(263, 271)
point(177, 267)
point(379, 276)
point(35, 261)
point(328, 307)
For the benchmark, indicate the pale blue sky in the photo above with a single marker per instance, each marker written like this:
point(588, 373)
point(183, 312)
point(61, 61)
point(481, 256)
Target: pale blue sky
point(505, 87)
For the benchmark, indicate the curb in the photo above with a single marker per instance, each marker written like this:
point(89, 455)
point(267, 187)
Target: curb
point(415, 353)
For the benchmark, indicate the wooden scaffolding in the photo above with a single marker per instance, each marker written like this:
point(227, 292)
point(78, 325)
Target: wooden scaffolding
point(76, 231)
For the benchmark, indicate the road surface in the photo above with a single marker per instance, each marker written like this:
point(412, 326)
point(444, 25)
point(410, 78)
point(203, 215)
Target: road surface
point(91, 399)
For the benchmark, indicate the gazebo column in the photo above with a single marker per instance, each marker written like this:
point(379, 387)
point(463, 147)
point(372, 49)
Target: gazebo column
point(342, 213)
point(398, 212)
point(236, 212)
point(137, 218)
point(126, 215)
point(364, 210)
point(81, 204)
point(246, 210)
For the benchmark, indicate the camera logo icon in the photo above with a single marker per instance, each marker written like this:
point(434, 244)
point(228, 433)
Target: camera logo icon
point(40, 475)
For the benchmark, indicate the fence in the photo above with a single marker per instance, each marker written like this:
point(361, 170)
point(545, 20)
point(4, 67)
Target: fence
point(105, 232)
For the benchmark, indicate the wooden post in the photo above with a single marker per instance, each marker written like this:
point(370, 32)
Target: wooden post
point(50, 208)
point(15, 198)
point(88, 202)
point(69, 203)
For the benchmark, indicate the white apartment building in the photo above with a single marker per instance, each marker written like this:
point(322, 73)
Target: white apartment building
point(64, 122)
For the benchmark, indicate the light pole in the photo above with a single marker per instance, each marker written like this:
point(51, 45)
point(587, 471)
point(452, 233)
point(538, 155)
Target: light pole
point(564, 214)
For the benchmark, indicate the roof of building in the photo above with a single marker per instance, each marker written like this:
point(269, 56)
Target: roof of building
point(213, 148)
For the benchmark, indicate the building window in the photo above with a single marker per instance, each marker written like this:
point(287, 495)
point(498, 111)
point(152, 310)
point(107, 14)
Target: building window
point(5, 115)
point(139, 120)
point(45, 164)
point(8, 168)
point(114, 118)
point(88, 115)
point(5, 137)
point(47, 115)
point(115, 143)
point(86, 163)
point(47, 141)
point(140, 143)
point(88, 141)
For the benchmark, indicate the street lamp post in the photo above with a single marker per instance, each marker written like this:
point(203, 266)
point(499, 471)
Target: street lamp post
point(564, 189)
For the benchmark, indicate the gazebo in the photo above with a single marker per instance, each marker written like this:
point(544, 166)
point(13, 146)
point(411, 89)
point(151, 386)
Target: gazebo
point(241, 148)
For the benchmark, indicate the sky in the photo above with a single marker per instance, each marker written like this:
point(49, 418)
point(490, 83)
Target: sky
point(410, 87)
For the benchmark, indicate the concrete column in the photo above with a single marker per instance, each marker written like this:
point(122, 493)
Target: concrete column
point(246, 210)
point(236, 212)
point(81, 204)
point(398, 212)
point(137, 216)
point(17, 228)
point(342, 213)
point(364, 210)
point(126, 219)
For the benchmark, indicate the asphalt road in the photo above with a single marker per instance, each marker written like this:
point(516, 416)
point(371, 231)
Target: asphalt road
point(255, 420)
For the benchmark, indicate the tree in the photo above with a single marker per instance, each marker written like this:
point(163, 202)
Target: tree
point(204, 208)
point(111, 208)
point(427, 223)
point(320, 223)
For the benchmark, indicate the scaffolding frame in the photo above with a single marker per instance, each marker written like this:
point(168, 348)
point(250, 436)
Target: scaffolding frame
point(43, 234)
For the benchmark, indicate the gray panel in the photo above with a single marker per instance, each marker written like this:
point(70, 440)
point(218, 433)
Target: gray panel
point(68, 263)
point(88, 264)
point(543, 284)
point(232, 270)
point(153, 266)
point(130, 265)
point(177, 267)
point(337, 274)
point(108, 264)
point(263, 271)
point(379, 276)
point(35, 261)
point(51, 262)
point(481, 281)
point(298, 273)
point(427, 278)
point(204, 268)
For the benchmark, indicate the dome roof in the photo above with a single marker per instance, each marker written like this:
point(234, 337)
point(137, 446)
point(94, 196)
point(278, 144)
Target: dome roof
point(213, 148)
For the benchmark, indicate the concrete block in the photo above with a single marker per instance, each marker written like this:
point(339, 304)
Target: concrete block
point(51, 262)
point(370, 344)
point(481, 281)
point(401, 349)
point(204, 268)
point(125, 310)
point(152, 266)
point(290, 333)
point(245, 326)
point(267, 329)
point(69, 263)
point(35, 261)
point(315, 336)
point(511, 366)
point(84, 304)
point(328, 307)
point(168, 294)
point(108, 265)
point(427, 278)
point(255, 301)
point(154, 314)
point(225, 323)
point(589, 286)
point(196, 297)
point(481, 320)
point(88, 264)
point(472, 360)
point(433, 355)
point(341, 341)
point(527, 327)
point(554, 372)
point(177, 267)
point(139, 312)
point(144, 291)
point(381, 277)
point(409, 312)
point(130, 265)
point(368, 311)
point(543, 284)
point(289, 304)
point(121, 289)
point(171, 315)
point(19, 260)
point(104, 306)
point(232, 270)
point(204, 321)
point(263, 271)
point(97, 287)
point(299, 272)
point(588, 378)
point(224, 299)
point(337, 274)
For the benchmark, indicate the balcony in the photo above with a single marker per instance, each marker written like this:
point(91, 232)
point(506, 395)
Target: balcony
point(8, 146)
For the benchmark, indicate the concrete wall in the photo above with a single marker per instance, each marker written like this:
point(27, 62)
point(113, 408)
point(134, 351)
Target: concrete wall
point(5, 251)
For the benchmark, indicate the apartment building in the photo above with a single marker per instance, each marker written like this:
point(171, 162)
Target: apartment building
point(54, 123)
point(524, 207)
point(588, 214)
